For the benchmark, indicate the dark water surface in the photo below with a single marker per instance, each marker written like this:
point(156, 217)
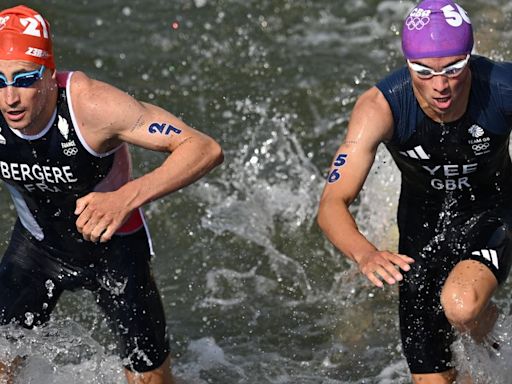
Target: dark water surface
point(253, 291)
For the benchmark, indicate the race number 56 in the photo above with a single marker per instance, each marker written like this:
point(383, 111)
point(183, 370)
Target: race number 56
point(339, 162)
point(35, 26)
point(455, 17)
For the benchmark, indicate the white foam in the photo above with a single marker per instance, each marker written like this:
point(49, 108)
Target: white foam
point(62, 352)
point(486, 364)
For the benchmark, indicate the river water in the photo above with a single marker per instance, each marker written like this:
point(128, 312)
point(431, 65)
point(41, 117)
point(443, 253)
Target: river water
point(253, 292)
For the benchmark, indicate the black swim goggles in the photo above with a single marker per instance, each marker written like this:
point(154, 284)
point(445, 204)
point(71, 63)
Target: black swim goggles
point(450, 71)
point(22, 80)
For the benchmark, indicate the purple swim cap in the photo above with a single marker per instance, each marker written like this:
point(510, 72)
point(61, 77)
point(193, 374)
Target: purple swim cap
point(437, 28)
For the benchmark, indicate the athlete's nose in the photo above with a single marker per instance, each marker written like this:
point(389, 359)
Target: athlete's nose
point(11, 95)
point(440, 83)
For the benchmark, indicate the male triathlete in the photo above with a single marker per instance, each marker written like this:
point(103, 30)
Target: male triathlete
point(445, 117)
point(64, 158)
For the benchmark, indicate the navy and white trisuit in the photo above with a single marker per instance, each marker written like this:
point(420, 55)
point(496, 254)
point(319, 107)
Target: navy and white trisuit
point(45, 175)
point(455, 202)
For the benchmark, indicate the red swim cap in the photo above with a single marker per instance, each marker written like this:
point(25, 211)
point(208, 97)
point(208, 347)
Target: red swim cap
point(25, 35)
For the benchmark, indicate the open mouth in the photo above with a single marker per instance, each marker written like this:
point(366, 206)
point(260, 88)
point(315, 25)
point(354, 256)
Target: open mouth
point(15, 115)
point(443, 102)
point(15, 112)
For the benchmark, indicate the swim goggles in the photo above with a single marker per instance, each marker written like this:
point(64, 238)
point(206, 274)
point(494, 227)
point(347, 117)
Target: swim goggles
point(453, 70)
point(22, 80)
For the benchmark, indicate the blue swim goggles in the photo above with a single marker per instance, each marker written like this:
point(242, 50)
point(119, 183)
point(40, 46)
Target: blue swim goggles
point(22, 80)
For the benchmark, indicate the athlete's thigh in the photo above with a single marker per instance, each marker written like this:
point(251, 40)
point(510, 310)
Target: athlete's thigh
point(128, 295)
point(425, 331)
point(483, 266)
point(27, 294)
point(490, 243)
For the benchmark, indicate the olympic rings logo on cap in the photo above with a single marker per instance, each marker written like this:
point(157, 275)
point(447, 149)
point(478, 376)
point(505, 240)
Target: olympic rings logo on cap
point(417, 23)
point(418, 19)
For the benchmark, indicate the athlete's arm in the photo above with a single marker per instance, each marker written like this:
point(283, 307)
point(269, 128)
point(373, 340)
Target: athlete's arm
point(370, 124)
point(107, 117)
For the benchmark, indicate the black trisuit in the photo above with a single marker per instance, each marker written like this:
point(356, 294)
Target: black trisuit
point(46, 174)
point(455, 202)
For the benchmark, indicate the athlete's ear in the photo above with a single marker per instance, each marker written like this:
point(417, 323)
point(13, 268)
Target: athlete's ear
point(54, 74)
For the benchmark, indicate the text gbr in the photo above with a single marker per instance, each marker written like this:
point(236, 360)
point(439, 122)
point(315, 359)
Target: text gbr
point(451, 172)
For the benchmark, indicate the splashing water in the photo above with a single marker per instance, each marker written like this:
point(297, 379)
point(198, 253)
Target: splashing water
point(268, 184)
point(61, 352)
point(487, 364)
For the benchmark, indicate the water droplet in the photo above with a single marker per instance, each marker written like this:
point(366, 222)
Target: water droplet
point(50, 286)
point(29, 318)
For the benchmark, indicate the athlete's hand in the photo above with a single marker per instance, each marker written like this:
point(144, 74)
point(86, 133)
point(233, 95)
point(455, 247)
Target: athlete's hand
point(379, 266)
point(100, 214)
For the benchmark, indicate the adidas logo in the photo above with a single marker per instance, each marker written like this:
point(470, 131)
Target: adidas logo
point(488, 254)
point(416, 153)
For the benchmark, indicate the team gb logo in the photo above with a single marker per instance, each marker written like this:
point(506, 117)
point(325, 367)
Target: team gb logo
point(476, 131)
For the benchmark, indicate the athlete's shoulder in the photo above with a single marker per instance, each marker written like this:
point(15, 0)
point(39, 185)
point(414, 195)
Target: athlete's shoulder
point(491, 88)
point(397, 81)
point(398, 91)
point(495, 72)
point(80, 82)
point(93, 97)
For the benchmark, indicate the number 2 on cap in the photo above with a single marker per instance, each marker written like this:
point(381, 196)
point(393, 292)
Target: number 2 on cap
point(32, 26)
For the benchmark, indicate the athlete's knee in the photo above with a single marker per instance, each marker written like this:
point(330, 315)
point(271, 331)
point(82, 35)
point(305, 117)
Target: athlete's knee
point(461, 305)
